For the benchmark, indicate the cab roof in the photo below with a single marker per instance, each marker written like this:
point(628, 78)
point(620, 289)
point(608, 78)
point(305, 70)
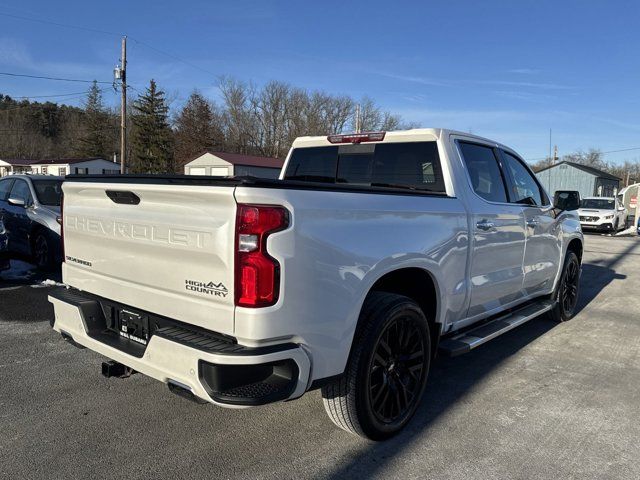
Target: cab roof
point(414, 134)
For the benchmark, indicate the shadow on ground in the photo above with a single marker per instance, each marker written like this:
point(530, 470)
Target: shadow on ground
point(451, 378)
point(24, 273)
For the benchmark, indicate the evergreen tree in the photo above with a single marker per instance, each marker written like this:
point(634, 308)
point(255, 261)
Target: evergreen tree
point(152, 137)
point(197, 129)
point(98, 137)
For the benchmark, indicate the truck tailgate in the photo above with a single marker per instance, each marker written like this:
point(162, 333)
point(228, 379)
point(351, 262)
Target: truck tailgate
point(170, 253)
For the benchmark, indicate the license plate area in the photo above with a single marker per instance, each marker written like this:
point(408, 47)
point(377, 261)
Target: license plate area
point(133, 326)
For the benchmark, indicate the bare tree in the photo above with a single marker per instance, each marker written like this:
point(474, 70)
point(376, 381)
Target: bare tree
point(592, 158)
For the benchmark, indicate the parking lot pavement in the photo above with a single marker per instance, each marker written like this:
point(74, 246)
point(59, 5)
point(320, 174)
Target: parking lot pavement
point(545, 401)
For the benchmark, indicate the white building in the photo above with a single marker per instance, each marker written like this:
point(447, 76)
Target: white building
point(14, 165)
point(62, 166)
point(222, 164)
point(77, 166)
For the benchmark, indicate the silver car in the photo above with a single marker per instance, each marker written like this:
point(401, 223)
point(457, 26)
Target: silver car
point(30, 212)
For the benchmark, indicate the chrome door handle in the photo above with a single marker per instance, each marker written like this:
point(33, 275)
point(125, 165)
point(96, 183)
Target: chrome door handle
point(533, 223)
point(485, 225)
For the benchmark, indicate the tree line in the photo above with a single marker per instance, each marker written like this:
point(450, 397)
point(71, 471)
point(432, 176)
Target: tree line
point(248, 119)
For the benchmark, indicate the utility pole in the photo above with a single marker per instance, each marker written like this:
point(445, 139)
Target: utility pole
point(636, 217)
point(358, 118)
point(123, 107)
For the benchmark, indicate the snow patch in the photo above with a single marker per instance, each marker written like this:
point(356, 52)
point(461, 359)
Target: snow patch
point(631, 231)
point(48, 283)
point(19, 271)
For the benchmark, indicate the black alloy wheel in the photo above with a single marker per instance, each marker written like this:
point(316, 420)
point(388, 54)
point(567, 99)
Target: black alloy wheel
point(41, 251)
point(570, 282)
point(396, 371)
point(386, 374)
point(567, 291)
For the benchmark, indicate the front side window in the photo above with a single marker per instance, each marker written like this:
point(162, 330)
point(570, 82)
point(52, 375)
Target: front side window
point(414, 165)
point(21, 191)
point(484, 171)
point(5, 187)
point(523, 188)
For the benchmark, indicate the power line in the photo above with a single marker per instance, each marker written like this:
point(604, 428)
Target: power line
point(47, 96)
point(175, 57)
point(65, 25)
point(623, 150)
point(105, 32)
point(38, 104)
point(9, 74)
point(603, 153)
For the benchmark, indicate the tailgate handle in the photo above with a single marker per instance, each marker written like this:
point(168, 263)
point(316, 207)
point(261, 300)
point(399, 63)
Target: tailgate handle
point(123, 196)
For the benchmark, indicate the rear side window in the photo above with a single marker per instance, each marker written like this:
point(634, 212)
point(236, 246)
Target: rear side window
point(5, 187)
point(484, 171)
point(409, 164)
point(523, 187)
point(49, 192)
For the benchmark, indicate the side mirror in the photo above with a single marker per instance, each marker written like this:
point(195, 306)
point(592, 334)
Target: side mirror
point(17, 202)
point(566, 200)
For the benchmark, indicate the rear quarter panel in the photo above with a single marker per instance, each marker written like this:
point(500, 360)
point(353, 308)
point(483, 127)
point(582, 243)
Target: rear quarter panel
point(337, 246)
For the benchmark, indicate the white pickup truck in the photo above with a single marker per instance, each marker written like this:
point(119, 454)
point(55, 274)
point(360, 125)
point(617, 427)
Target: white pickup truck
point(371, 253)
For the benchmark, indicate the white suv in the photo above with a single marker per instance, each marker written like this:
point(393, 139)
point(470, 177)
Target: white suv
point(606, 214)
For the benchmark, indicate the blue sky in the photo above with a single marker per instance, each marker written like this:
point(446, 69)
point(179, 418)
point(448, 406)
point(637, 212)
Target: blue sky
point(509, 70)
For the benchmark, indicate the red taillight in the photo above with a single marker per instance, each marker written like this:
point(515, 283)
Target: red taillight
point(257, 274)
point(357, 137)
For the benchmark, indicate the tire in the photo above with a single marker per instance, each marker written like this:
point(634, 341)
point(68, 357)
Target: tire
point(616, 226)
point(387, 369)
point(567, 291)
point(42, 252)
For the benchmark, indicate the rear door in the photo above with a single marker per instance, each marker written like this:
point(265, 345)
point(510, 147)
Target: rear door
point(543, 249)
point(166, 248)
point(498, 233)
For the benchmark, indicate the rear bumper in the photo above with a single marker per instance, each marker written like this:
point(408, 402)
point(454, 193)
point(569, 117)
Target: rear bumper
point(219, 372)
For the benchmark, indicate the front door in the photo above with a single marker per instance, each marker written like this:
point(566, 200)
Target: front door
point(17, 221)
point(498, 234)
point(543, 249)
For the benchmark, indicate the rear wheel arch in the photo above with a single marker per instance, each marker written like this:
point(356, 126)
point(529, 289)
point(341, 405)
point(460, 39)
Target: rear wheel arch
point(419, 285)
